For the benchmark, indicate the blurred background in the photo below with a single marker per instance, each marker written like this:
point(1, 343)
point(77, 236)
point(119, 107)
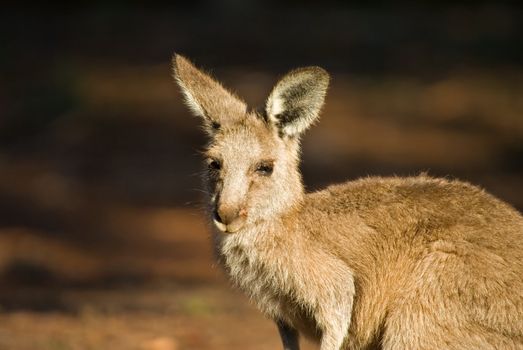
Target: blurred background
point(103, 242)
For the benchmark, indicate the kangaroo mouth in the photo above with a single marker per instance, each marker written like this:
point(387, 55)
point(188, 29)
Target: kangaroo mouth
point(219, 225)
point(232, 227)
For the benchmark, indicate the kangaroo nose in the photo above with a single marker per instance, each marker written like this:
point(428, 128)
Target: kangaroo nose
point(225, 214)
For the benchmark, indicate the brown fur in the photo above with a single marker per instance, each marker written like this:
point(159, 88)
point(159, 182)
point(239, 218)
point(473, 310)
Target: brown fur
point(390, 263)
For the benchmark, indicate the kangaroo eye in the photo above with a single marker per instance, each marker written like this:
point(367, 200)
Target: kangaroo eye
point(214, 164)
point(265, 168)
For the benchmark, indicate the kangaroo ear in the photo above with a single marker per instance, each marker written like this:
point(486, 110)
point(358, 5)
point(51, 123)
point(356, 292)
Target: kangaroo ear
point(206, 97)
point(295, 102)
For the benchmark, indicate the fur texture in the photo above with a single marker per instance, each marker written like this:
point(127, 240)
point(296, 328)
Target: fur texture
point(376, 263)
point(295, 102)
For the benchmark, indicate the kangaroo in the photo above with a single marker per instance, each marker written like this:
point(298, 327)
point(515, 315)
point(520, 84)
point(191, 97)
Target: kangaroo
point(375, 263)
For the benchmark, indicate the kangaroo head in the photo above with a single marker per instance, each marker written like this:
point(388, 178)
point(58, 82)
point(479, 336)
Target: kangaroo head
point(252, 158)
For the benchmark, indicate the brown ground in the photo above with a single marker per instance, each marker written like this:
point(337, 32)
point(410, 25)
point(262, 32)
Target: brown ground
point(149, 318)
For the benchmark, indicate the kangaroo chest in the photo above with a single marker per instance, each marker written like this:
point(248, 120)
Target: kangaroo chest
point(251, 270)
point(268, 275)
point(257, 268)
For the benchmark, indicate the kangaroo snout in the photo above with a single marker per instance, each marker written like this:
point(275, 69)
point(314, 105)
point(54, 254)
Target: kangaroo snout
point(229, 218)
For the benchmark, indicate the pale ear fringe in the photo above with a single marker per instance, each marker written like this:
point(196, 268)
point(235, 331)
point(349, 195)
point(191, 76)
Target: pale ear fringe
point(274, 107)
point(214, 103)
point(190, 101)
point(296, 128)
point(311, 109)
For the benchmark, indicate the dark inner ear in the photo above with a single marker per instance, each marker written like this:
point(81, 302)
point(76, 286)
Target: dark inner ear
point(289, 115)
point(291, 96)
point(298, 91)
point(292, 112)
point(295, 102)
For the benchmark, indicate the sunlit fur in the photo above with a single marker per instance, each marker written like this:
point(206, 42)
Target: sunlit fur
point(299, 94)
point(376, 263)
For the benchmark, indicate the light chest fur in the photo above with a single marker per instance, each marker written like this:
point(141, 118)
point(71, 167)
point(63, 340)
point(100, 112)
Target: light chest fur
point(273, 267)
